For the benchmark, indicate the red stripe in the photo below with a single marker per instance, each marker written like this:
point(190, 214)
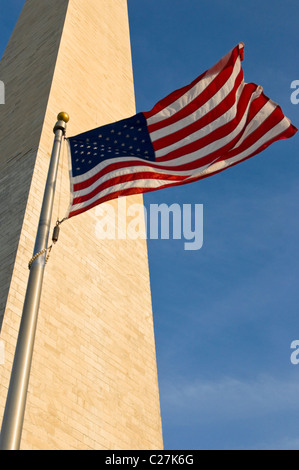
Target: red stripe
point(217, 134)
point(207, 94)
point(286, 134)
point(118, 166)
point(226, 152)
point(108, 169)
point(174, 96)
point(254, 108)
point(211, 116)
point(109, 197)
point(146, 175)
point(130, 191)
point(271, 121)
point(165, 102)
point(125, 164)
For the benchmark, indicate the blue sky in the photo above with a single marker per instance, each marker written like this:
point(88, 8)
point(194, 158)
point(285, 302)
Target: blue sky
point(224, 316)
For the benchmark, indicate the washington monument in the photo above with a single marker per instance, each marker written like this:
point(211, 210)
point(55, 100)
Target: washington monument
point(93, 381)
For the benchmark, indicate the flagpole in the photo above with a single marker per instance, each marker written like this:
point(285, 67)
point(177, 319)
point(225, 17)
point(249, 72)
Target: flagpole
point(13, 419)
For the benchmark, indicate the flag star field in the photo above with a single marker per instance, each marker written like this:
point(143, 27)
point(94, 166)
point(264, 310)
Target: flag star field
point(126, 138)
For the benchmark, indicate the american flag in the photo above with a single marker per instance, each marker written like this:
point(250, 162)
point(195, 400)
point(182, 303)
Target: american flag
point(199, 130)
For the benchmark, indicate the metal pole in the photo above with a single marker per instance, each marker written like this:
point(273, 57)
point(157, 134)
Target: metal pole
point(12, 424)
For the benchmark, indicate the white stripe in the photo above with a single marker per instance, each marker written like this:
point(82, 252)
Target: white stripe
point(142, 183)
point(263, 114)
point(216, 145)
point(203, 110)
point(208, 169)
point(282, 126)
point(69, 153)
point(211, 127)
point(178, 161)
point(255, 123)
point(128, 171)
point(193, 92)
point(102, 165)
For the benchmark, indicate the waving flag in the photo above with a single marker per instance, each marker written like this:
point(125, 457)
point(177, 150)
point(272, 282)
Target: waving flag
point(215, 122)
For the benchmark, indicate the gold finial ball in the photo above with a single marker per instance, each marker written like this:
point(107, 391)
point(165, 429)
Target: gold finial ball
point(63, 117)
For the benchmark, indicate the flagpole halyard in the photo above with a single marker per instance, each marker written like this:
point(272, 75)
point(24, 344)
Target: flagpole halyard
point(13, 419)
